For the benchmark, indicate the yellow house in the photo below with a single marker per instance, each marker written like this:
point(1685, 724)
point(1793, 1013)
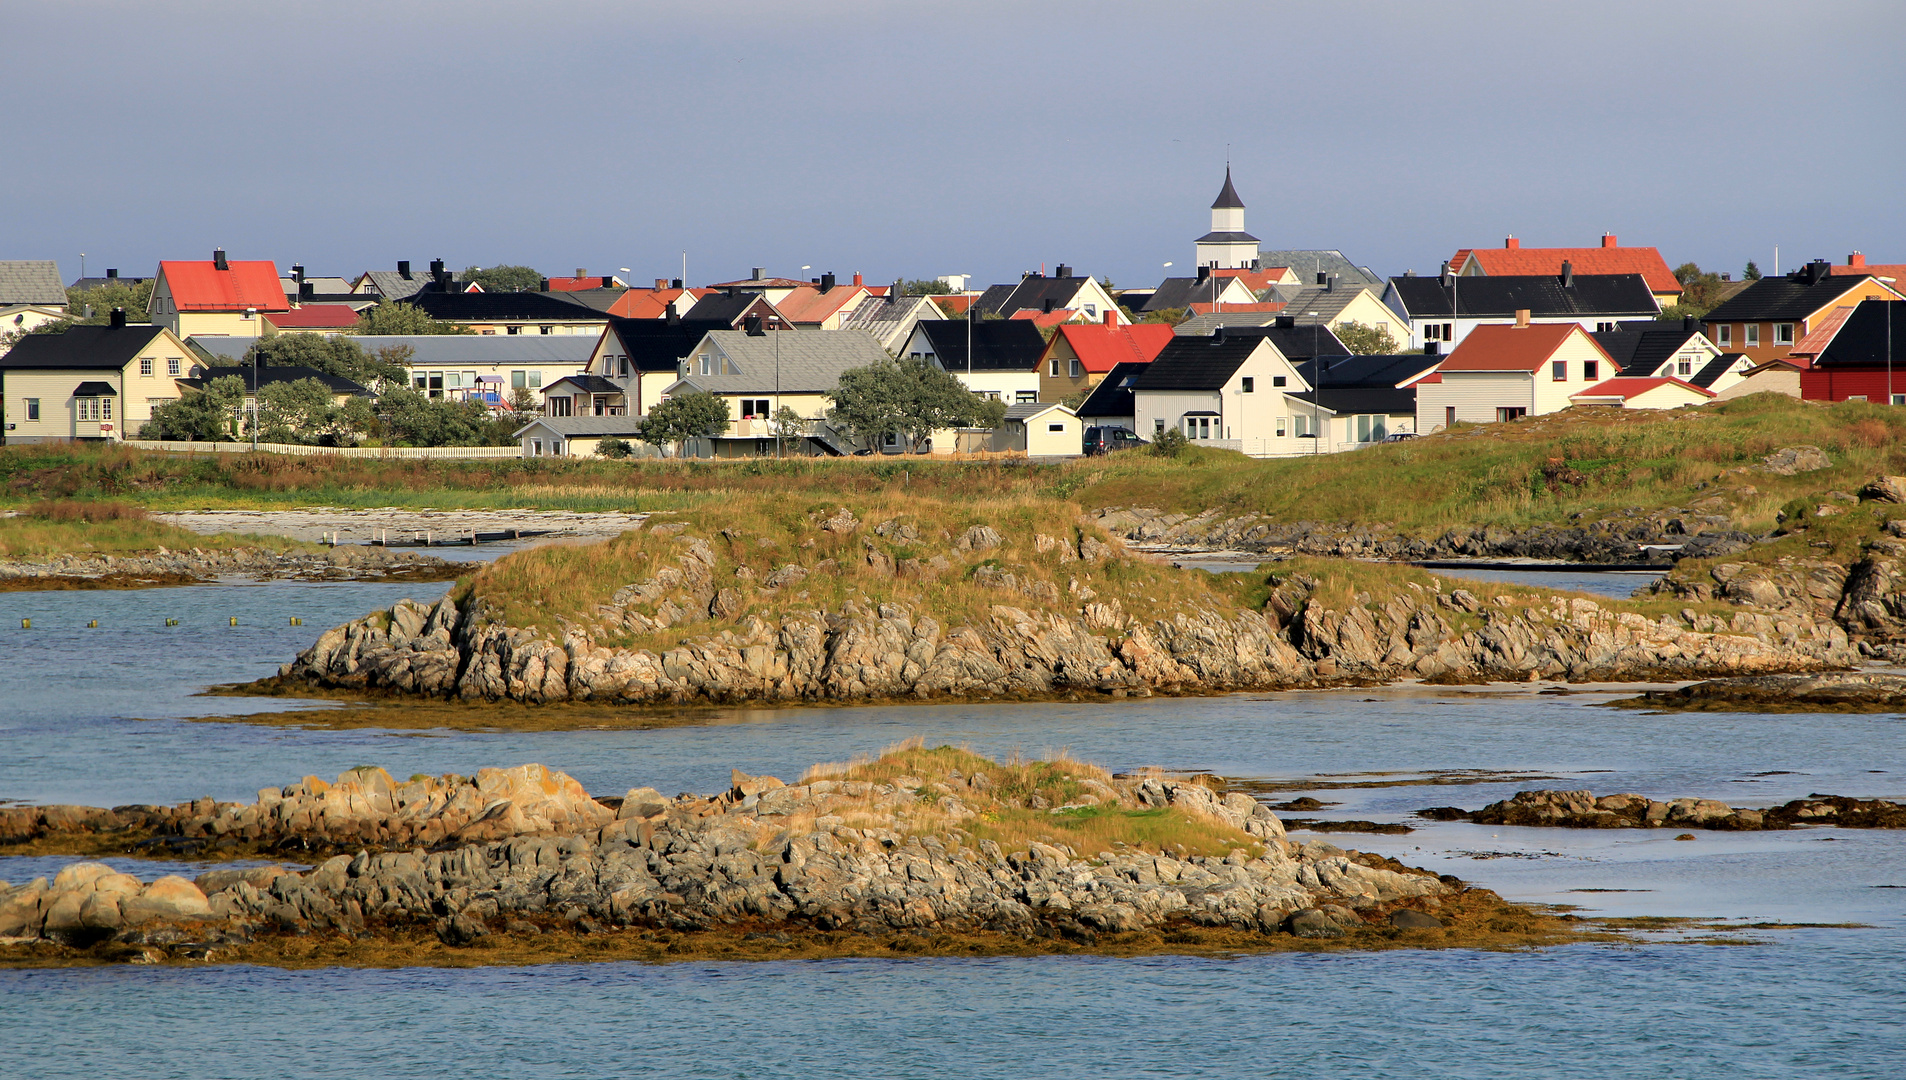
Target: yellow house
point(217, 298)
point(760, 375)
point(91, 382)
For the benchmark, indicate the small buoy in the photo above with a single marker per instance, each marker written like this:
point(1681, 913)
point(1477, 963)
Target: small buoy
point(234, 620)
point(26, 624)
point(295, 621)
point(93, 625)
point(172, 622)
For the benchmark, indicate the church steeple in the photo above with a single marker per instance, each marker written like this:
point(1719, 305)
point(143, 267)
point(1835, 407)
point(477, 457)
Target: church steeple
point(1228, 198)
point(1227, 246)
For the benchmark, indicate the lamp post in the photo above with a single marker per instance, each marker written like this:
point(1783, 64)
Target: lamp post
point(774, 418)
point(1889, 345)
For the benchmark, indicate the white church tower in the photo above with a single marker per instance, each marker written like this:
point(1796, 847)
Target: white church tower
point(1227, 246)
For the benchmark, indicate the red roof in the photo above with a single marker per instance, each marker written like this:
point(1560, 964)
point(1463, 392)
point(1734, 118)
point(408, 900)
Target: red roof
point(1821, 335)
point(1646, 261)
point(808, 304)
point(202, 286)
point(1513, 348)
point(1896, 271)
point(1043, 319)
point(1625, 387)
point(1099, 346)
point(653, 303)
point(1264, 306)
point(1257, 280)
point(955, 304)
point(315, 316)
point(578, 284)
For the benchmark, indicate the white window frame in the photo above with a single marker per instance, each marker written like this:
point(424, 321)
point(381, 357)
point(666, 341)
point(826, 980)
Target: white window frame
point(1750, 335)
point(32, 408)
point(1783, 333)
point(172, 365)
point(145, 365)
point(1074, 369)
point(1283, 426)
point(1724, 334)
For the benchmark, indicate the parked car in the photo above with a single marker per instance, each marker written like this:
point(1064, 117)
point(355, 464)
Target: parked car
point(1104, 440)
point(1399, 436)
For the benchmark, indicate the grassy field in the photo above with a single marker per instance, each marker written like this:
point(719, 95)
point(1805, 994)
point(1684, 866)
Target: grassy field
point(70, 527)
point(1591, 462)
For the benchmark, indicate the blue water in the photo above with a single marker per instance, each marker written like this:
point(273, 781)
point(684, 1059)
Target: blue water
point(107, 715)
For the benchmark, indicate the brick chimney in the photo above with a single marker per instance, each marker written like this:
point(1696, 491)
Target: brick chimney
point(661, 283)
point(1522, 318)
point(1856, 259)
point(858, 280)
point(582, 271)
point(1111, 318)
point(1511, 243)
point(1608, 240)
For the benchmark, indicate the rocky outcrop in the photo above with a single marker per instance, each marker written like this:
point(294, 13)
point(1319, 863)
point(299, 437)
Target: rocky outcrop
point(1616, 538)
point(363, 807)
point(165, 567)
point(1582, 810)
point(1839, 691)
point(907, 853)
point(1022, 648)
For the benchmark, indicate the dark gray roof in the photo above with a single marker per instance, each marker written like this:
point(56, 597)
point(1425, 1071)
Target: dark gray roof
point(1113, 395)
point(1542, 295)
point(807, 361)
point(1196, 363)
point(1862, 338)
point(998, 345)
point(577, 427)
point(269, 374)
point(1228, 197)
point(81, 348)
point(723, 308)
point(1229, 237)
point(1372, 372)
point(1178, 292)
point(1202, 325)
point(527, 306)
point(31, 281)
point(1305, 264)
point(1640, 352)
point(1295, 342)
point(1714, 369)
point(593, 384)
point(1367, 399)
point(1031, 409)
point(599, 299)
point(94, 389)
point(660, 344)
point(394, 286)
point(1032, 291)
point(98, 282)
point(451, 349)
point(1791, 297)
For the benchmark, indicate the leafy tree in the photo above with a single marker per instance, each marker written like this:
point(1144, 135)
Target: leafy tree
point(396, 317)
point(303, 412)
point(910, 398)
point(1700, 290)
point(333, 355)
point(206, 415)
point(1170, 443)
point(926, 287)
point(408, 417)
point(135, 298)
point(1364, 340)
point(1674, 313)
point(1170, 316)
point(1752, 273)
point(504, 278)
point(696, 415)
point(611, 447)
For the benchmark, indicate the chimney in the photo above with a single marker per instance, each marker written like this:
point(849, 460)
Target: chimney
point(661, 283)
point(403, 269)
point(1049, 302)
point(1323, 279)
point(307, 290)
point(1568, 274)
point(1689, 323)
point(827, 282)
point(112, 273)
point(608, 282)
point(754, 326)
point(218, 259)
point(1064, 271)
point(1111, 318)
point(1204, 272)
point(119, 316)
point(1817, 271)
point(756, 275)
point(1856, 259)
point(1608, 240)
point(1445, 275)
point(582, 271)
point(1727, 275)
point(543, 286)
point(1511, 243)
point(1287, 322)
point(1432, 348)
point(676, 284)
point(1330, 283)
point(673, 315)
point(1217, 335)
point(1522, 318)
point(858, 280)
point(893, 294)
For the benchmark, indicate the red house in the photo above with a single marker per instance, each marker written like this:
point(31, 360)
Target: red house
point(1857, 358)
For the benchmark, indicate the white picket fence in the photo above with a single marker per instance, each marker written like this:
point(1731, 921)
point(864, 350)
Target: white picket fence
point(440, 452)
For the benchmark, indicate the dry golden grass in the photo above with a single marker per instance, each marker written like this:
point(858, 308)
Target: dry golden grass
point(74, 527)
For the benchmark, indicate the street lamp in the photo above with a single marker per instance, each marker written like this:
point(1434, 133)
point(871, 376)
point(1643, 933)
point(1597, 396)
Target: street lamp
point(1889, 345)
point(774, 418)
point(1317, 388)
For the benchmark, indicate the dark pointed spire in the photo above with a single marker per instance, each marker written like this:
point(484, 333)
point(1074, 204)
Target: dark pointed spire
point(1228, 198)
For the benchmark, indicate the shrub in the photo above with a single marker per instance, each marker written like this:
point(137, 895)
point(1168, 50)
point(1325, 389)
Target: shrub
point(611, 447)
point(1170, 443)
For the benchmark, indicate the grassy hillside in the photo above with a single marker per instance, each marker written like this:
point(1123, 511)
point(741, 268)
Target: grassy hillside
point(1591, 462)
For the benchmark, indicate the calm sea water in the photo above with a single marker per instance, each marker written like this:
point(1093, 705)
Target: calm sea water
point(107, 715)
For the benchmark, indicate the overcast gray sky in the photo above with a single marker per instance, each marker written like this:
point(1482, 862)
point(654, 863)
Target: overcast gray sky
point(925, 139)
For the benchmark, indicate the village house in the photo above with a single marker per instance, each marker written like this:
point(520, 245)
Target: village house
point(1208, 289)
point(1501, 373)
point(91, 383)
point(484, 368)
point(1768, 318)
point(759, 374)
point(1232, 390)
point(218, 297)
point(1079, 356)
point(655, 302)
point(580, 436)
point(30, 294)
point(891, 318)
point(1853, 355)
point(822, 305)
point(1334, 303)
point(1856, 264)
point(1773, 377)
point(1672, 351)
point(1442, 310)
point(1633, 392)
point(1369, 397)
point(1514, 260)
point(629, 368)
point(267, 375)
point(1110, 404)
point(1004, 361)
point(401, 283)
point(1063, 291)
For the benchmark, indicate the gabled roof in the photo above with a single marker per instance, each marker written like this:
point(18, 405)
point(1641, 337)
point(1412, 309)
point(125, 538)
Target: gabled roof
point(1181, 292)
point(762, 283)
point(886, 319)
point(31, 281)
point(1045, 320)
point(1188, 363)
point(592, 384)
point(658, 344)
point(448, 350)
point(1202, 325)
point(81, 348)
point(1821, 335)
point(1031, 291)
point(1024, 411)
point(524, 306)
point(1227, 197)
point(1715, 368)
point(1306, 264)
point(808, 304)
point(998, 344)
point(1259, 308)
point(1113, 395)
point(97, 282)
point(1791, 297)
point(653, 303)
point(1543, 296)
point(1640, 352)
point(808, 361)
point(1295, 342)
point(1327, 303)
point(955, 304)
point(1511, 348)
point(600, 299)
point(1625, 387)
point(315, 316)
point(728, 308)
point(1373, 372)
point(581, 427)
point(1896, 271)
point(392, 285)
point(1862, 337)
point(1526, 261)
point(578, 284)
point(1100, 347)
point(1255, 280)
point(202, 286)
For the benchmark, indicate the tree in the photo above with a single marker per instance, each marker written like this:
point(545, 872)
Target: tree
point(504, 278)
point(209, 414)
point(926, 287)
point(333, 355)
point(1700, 290)
point(1170, 443)
point(1364, 340)
point(396, 317)
point(1752, 273)
point(910, 398)
point(303, 412)
point(1170, 316)
point(695, 415)
point(102, 299)
point(408, 417)
point(611, 447)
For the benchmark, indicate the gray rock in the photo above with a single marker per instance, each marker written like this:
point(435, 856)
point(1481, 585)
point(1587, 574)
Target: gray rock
point(1408, 919)
point(1312, 923)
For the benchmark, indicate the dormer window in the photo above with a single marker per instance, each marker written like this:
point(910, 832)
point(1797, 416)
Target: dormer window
point(708, 367)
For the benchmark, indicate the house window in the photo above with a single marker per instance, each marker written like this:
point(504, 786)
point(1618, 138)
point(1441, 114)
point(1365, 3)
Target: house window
point(1250, 384)
point(1899, 399)
point(514, 330)
point(519, 380)
point(559, 406)
point(145, 365)
point(1277, 380)
point(32, 408)
point(171, 365)
point(1283, 426)
point(1055, 427)
point(1751, 338)
point(536, 448)
point(556, 447)
point(545, 329)
point(913, 356)
point(708, 367)
point(105, 408)
point(1091, 311)
point(1783, 333)
point(1605, 328)
point(754, 408)
point(625, 366)
point(1591, 370)
point(535, 379)
point(1073, 369)
point(1725, 334)
point(89, 408)
point(1504, 415)
point(1024, 397)
point(1052, 369)
point(1158, 422)
point(1685, 366)
point(1558, 370)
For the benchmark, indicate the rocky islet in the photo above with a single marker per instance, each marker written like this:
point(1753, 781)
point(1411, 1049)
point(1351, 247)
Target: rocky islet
point(1584, 810)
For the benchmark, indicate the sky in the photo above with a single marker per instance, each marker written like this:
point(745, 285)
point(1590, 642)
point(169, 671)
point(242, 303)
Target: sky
point(919, 139)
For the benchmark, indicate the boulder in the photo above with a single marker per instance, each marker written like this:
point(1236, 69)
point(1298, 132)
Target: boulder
point(1789, 460)
point(1313, 923)
point(169, 899)
point(1890, 489)
point(1408, 919)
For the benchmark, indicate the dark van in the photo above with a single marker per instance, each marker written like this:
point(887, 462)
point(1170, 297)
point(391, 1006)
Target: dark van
point(1103, 440)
